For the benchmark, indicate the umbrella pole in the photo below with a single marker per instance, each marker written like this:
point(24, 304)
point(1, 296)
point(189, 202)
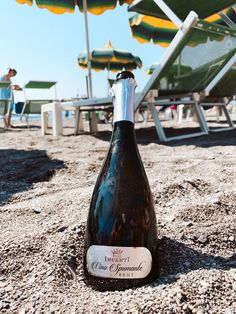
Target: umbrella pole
point(108, 83)
point(92, 115)
point(88, 49)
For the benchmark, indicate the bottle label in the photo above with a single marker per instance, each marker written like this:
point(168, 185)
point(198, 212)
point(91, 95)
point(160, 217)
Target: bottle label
point(118, 262)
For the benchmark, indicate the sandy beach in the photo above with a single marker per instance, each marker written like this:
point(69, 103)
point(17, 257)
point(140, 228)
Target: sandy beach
point(46, 186)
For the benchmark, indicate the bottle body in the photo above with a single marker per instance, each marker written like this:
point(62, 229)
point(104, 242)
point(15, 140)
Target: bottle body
point(120, 242)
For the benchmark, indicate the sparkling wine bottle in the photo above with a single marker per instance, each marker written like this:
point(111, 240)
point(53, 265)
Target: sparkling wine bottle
point(121, 232)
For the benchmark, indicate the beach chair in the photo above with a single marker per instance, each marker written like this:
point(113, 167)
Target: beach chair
point(33, 106)
point(78, 106)
point(207, 49)
point(219, 98)
point(4, 103)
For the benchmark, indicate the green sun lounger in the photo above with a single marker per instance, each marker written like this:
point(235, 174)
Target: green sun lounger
point(33, 106)
point(209, 53)
point(220, 96)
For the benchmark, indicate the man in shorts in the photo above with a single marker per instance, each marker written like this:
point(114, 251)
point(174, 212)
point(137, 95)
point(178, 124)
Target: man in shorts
point(7, 93)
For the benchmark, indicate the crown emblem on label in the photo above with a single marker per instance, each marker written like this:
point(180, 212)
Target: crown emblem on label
point(117, 252)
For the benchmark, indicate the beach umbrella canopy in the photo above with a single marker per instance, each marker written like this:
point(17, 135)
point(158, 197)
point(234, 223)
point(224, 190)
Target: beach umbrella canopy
point(62, 6)
point(220, 18)
point(146, 28)
point(111, 59)
point(181, 8)
point(92, 6)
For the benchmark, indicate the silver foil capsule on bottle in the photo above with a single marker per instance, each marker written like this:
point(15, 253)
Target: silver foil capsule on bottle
point(123, 101)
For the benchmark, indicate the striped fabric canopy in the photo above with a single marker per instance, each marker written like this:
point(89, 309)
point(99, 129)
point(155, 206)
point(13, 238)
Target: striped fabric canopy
point(203, 8)
point(148, 28)
point(111, 59)
point(62, 6)
point(217, 19)
point(92, 6)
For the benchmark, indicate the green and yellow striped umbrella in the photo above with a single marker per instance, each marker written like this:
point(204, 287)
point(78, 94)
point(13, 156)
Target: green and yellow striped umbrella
point(218, 19)
point(62, 6)
point(92, 6)
point(159, 31)
point(111, 59)
point(147, 28)
point(181, 8)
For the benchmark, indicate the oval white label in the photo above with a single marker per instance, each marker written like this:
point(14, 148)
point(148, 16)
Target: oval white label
point(118, 262)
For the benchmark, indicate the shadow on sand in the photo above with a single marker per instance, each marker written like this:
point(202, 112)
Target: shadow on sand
point(19, 169)
point(175, 258)
point(178, 258)
point(147, 135)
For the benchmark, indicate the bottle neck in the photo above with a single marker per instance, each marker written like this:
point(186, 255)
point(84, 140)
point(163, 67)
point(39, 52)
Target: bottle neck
point(124, 96)
point(123, 129)
point(123, 137)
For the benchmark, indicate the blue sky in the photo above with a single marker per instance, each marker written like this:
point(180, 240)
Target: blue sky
point(45, 46)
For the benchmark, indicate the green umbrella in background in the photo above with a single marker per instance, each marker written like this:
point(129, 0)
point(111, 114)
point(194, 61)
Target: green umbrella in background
point(159, 31)
point(111, 59)
point(147, 28)
point(92, 6)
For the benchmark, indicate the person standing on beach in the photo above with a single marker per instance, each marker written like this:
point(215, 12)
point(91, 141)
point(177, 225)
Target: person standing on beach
point(7, 93)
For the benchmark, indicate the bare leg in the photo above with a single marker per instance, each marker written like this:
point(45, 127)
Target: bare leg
point(5, 122)
point(7, 119)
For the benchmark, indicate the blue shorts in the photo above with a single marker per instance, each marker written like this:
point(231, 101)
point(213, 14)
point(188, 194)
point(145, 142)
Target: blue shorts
point(8, 94)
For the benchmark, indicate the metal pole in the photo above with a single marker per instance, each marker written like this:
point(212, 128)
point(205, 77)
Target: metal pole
point(227, 20)
point(169, 13)
point(87, 87)
point(88, 49)
point(92, 116)
point(108, 83)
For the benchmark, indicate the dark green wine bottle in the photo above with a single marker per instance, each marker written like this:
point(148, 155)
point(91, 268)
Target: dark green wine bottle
point(121, 232)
